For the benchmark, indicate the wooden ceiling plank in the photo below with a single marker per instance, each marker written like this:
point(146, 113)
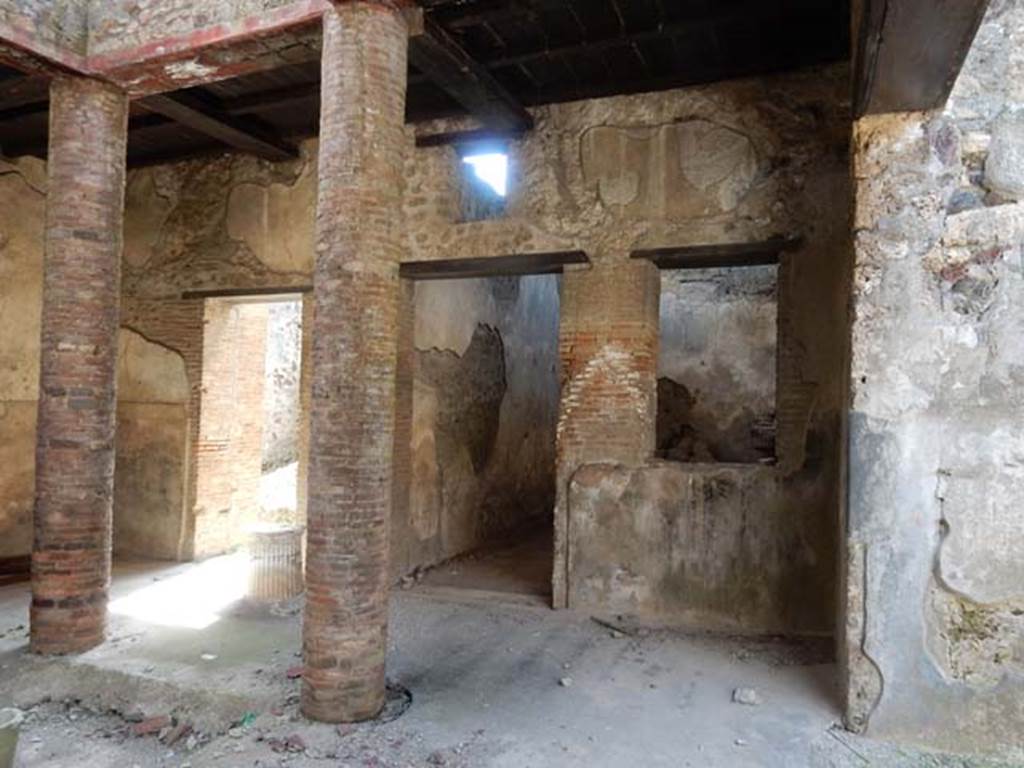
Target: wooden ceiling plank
point(453, 70)
point(189, 111)
point(19, 92)
point(454, 138)
point(278, 97)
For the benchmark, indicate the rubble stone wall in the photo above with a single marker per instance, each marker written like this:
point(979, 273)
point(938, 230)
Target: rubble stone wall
point(933, 563)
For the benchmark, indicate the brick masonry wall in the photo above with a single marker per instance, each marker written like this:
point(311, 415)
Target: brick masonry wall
point(250, 343)
point(76, 425)
point(356, 294)
point(608, 345)
point(229, 447)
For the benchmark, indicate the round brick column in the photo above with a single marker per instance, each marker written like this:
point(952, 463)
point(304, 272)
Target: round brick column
point(352, 416)
point(77, 407)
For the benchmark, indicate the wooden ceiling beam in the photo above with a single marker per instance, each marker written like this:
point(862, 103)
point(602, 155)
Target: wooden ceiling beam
point(199, 116)
point(434, 53)
point(753, 14)
point(279, 97)
point(908, 53)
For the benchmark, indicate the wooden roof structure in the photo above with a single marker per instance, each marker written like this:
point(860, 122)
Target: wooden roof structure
point(490, 59)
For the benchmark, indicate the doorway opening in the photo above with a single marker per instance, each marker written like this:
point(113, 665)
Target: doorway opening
point(247, 463)
point(483, 400)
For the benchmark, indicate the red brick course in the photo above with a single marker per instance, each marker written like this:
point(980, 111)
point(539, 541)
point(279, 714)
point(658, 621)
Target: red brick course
point(77, 406)
point(608, 345)
point(229, 447)
point(356, 294)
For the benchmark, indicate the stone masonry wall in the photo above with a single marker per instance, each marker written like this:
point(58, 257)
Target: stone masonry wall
point(281, 384)
point(934, 569)
point(731, 162)
point(746, 160)
point(118, 24)
point(53, 24)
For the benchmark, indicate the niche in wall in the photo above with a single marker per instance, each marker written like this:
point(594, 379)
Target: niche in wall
point(717, 364)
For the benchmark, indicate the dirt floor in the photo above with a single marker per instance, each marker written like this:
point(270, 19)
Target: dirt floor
point(192, 676)
point(521, 566)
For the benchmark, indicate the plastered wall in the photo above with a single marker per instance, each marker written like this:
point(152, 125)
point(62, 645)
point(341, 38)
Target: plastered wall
point(23, 192)
point(484, 404)
point(934, 568)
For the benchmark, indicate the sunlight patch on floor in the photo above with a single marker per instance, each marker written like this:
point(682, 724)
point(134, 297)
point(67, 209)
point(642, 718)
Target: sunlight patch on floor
point(194, 599)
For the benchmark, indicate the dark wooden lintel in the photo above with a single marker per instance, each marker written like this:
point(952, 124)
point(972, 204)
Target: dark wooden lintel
point(492, 266)
point(719, 254)
point(241, 135)
point(283, 293)
point(908, 53)
point(476, 136)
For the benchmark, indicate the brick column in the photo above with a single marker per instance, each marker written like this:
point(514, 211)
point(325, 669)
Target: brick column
point(354, 356)
point(77, 409)
point(608, 345)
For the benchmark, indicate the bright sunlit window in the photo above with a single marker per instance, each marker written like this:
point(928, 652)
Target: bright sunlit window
point(492, 169)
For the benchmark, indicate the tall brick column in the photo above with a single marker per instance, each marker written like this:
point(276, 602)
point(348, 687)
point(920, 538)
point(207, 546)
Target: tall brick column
point(608, 345)
point(77, 408)
point(354, 357)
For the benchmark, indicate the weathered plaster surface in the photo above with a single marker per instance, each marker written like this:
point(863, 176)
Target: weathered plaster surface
point(117, 24)
point(702, 544)
point(935, 570)
point(225, 223)
point(23, 201)
point(152, 430)
point(54, 25)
